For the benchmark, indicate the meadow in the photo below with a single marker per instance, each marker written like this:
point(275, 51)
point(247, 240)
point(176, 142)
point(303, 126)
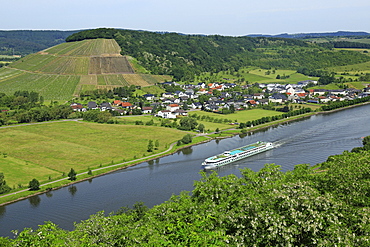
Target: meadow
point(46, 151)
point(252, 75)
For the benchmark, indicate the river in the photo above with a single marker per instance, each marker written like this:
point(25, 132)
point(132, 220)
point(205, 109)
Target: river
point(309, 141)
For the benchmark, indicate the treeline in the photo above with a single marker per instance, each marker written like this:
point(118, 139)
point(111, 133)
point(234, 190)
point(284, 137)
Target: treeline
point(35, 114)
point(340, 104)
point(326, 205)
point(121, 92)
point(20, 100)
point(26, 107)
point(184, 56)
point(348, 44)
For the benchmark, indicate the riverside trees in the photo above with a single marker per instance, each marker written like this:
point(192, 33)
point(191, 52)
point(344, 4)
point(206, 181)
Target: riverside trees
point(4, 188)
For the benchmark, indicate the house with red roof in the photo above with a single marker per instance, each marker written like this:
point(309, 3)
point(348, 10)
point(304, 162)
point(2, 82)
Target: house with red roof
point(126, 105)
point(117, 102)
point(172, 107)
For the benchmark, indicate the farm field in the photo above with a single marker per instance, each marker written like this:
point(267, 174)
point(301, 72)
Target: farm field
point(52, 87)
point(63, 71)
point(135, 79)
point(91, 47)
point(53, 148)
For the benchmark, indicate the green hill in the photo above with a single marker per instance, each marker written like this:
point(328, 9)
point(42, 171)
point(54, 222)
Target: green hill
point(65, 70)
point(186, 56)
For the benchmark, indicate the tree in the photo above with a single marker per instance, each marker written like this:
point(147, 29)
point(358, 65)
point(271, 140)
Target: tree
point(34, 184)
point(72, 175)
point(187, 139)
point(188, 123)
point(3, 186)
point(156, 144)
point(201, 127)
point(150, 146)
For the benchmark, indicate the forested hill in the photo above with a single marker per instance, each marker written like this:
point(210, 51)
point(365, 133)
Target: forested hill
point(23, 42)
point(184, 56)
point(314, 35)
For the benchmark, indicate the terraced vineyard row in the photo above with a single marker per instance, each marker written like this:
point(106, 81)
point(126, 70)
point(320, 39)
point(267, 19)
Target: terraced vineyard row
point(51, 87)
point(109, 65)
point(136, 80)
point(86, 48)
point(6, 74)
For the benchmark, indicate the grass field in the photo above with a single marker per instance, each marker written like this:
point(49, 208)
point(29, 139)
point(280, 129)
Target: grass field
point(253, 75)
point(40, 151)
point(240, 116)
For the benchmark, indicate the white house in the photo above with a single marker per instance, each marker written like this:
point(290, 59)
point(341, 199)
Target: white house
point(166, 114)
point(172, 107)
point(147, 110)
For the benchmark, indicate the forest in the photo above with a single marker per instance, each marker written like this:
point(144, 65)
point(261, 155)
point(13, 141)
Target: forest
point(184, 56)
point(324, 205)
point(24, 42)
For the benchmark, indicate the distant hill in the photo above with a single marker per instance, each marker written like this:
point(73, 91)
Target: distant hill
point(24, 42)
point(312, 35)
point(67, 69)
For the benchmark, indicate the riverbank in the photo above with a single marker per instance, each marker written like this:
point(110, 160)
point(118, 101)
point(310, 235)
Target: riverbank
point(200, 138)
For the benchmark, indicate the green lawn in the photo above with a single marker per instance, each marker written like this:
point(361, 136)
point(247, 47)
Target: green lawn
point(40, 151)
point(252, 75)
point(241, 116)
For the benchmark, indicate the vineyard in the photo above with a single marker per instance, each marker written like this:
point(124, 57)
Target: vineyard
point(63, 71)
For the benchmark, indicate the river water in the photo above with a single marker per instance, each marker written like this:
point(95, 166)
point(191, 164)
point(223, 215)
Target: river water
point(308, 141)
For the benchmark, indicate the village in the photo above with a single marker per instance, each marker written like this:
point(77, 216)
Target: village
point(221, 98)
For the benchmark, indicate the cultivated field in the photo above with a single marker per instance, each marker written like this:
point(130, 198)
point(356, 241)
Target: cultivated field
point(91, 47)
point(110, 65)
point(63, 71)
point(52, 87)
point(48, 150)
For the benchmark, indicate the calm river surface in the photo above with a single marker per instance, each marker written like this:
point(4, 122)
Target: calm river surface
point(308, 141)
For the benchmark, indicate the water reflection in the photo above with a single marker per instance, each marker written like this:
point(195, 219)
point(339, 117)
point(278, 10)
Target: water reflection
point(34, 201)
point(2, 211)
point(49, 194)
point(72, 189)
point(186, 151)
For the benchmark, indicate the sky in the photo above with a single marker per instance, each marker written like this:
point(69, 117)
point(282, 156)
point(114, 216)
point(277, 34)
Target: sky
point(226, 17)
